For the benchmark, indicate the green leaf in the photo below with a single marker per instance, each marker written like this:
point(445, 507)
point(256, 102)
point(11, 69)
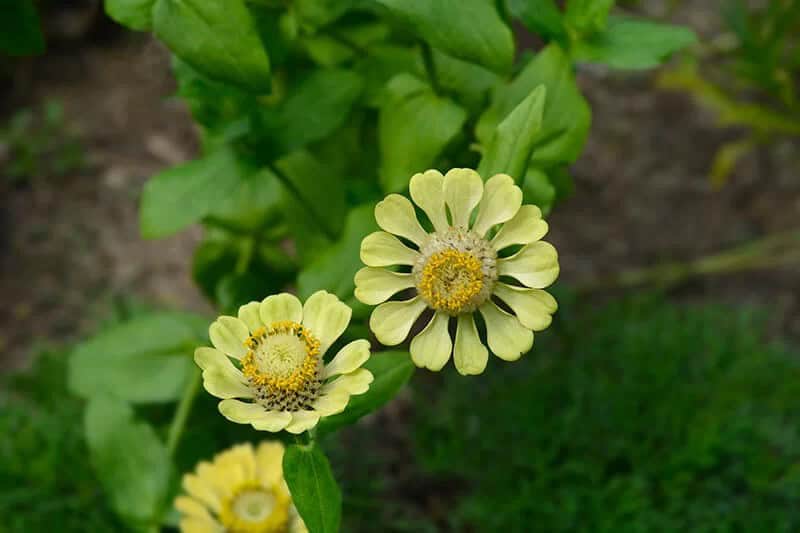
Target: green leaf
point(235, 290)
point(587, 16)
point(317, 13)
point(414, 127)
point(217, 38)
point(510, 149)
point(145, 360)
point(537, 190)
point(252, 205)
point(468, 81)
point(131, 461)
point(540, 16)
point(392, 370)
point(134, 14)
point(629, 43)
point(467, 29)
point(314, 491)
point(20, 33)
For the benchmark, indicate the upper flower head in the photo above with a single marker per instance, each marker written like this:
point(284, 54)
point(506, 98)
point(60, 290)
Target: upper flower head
point(242, 490)
point(463, 265)
point(279, 345)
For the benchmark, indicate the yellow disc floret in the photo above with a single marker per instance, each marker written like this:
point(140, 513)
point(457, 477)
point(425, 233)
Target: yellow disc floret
point(281, 357)
point(255, 508)
point(450, 280)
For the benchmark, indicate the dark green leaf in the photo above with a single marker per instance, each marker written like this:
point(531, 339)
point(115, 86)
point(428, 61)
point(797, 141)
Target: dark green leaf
point(20, 34)
point(314, 490)
point(587, 16)
point(540, 16)
point(235, 289)
point(317, 13)
point(134, 14)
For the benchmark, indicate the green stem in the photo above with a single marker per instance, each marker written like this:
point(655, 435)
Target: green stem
point(305, 203)
point(182, 413)
point(243, 261)
point(430, 67)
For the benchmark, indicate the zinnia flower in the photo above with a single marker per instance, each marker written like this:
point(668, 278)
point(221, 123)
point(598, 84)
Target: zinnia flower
point(279, 345)
point(466, 264)
point(241, 491)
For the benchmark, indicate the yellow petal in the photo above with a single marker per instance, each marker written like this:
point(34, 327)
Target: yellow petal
point(391, 321)
point(463, 188)
point(469, 353)
point(535, 265)
point(326, 317)
point(534, 307)
point(376, 285)
point(508, 339)
point(200, 525)
point(427, 191)
point(280, 307)
point(331, 404)
point(220, 377)
point(302, 421)
point(384, 249)
point(501, 201)
point(349, 358)
point(431, 348)
point(269, 462)
point(395, 214)
point(191, 507)
point(248, 314)
point(525, 227)
point(241, 412)
point(202, 491)
point(296, 524)
point(353, 383)
point(228, 334)
point(273, 421)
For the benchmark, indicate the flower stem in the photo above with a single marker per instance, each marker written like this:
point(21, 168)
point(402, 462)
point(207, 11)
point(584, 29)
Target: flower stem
point(182, 413)
point(430, 67)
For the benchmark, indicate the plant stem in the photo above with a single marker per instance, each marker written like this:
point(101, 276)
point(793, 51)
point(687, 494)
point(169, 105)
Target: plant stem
point(182, 413)
point(430, 67)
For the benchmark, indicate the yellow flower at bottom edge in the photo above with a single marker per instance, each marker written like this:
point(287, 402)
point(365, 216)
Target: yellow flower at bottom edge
point(279, 344)
point(463, 266)
point(241, 491)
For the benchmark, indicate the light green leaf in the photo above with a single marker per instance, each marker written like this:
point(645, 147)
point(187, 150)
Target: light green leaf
point(20, 33)
point(317, 13)
point(392, 370)
point(144, 360)
point(314, 491)
point(467, 29)
point(414, 127)
point(468, 81)
point(587, 16)
point(537, 190)
point(510, 149)
point(540, 16)
point(629, 43)
point(131, 461)
point(217, 38)
point(134, 14)
point(253, 204)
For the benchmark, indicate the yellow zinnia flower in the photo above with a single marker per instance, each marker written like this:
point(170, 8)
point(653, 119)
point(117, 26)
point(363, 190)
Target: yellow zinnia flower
point(241, 491)
point(460, 267)
point(279, 344)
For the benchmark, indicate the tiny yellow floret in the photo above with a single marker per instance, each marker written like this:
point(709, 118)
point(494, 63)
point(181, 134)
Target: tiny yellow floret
point(450, 280)
point(254, 508)
point(283, 356)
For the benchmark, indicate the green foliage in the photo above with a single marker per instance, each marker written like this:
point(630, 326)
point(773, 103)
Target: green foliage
point(20, 33)
point(135, 14)
point(314, 490)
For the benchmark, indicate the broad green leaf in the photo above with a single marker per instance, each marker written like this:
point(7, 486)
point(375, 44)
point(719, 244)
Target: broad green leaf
point(217, 38)
point(131, 461)
point(629, 43)
point(512, 144)
point(565, 124)
point(235, 289)
point(384, 62)
point(317, 13)
point(252, 205)
point(392, 370)
point(587, 16)
point(467, 29)
point(134, 14)
point(20, 33)
point(314, 491)
point(144, 360)
point(540, 16)
point(469, 82)
point(537, 190)
point(414, 127)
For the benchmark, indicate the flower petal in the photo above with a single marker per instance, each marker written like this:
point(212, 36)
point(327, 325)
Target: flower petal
point(201, 490)
point(302, 421)
point(431, 348)
point(228, 334)
point(248, 313)
point(391, 321)
point(469, 353)
point(535, 265)
point(463, 188)
point(395, 214)
point(508, 339)
point(283, 306)
point(384, 249)
point(269, 462)
point(527, 226)
point(427, 191)
point(220, 377)
point(534, 307)
point(353, 383)
point(191, 507)
point(331, 404)
point(501, 201)
point(273, 421)
point(376, 285)
point(349, 358)
point(200, 525)
point(326, 317)
point(241, 412)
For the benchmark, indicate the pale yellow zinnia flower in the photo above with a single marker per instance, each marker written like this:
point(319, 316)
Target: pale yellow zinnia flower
point(279, 345)
point(241, 491)
point(462, 266)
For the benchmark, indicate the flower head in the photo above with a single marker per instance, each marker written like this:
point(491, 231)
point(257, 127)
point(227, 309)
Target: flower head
point(241, 491)
point(490, 260)
point(279, 346)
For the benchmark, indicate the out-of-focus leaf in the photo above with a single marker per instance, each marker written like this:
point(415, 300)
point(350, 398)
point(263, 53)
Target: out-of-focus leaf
point(384, 62)
point(20, 34)
point(313, 488)
point(252, 204)
point(587, 16)
point(537, 190)
point(726, 158)
point(236, 289)
point(317, 13)
point(468, 81)
point(134, 14)
point(540, 16)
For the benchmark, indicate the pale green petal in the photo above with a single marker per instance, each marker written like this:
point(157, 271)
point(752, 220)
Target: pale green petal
point(272, 421)
point(331, 404)
point(220, 377)
point(349, 358)
point(241, 412)
point(395, 214)
point(535, 266)
point(248, 313)
point(501, 201)
point(469, 353)
point(508, 339)
point(431, 348)
point(228, 334)
point(326, 317)
point(391, 322)
point(278, 307)
point(427, 191)
point(302, 421)
point(353, 383)
point(527, 226)
point(534, 307)
point(376, 285)
point(463, 188)
point(384, 249)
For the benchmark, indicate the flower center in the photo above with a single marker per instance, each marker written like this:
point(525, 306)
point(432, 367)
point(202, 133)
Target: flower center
point(456, 271)
point(254, 508)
